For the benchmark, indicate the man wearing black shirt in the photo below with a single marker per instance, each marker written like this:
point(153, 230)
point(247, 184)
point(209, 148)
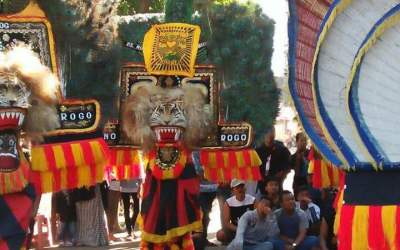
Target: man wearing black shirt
point(299, 162)
point(275, 160)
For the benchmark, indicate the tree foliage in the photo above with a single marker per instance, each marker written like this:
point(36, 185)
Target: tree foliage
point(178, 11)
point(88, 70)
point(131, 7)
point(241, 45)
point(12, 6)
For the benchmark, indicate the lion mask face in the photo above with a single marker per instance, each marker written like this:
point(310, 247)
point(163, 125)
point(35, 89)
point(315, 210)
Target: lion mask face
point(30, 90)
point(168, 120)
point(153, 114)
point(28, 98)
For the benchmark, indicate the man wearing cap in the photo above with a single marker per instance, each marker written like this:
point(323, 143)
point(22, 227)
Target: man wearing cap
point(234, 208)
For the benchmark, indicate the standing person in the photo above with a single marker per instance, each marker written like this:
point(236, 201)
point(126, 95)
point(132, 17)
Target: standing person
point(90, 214)
point(130, 189)
point(274, 160)
point(299, 162)
point(208, 193)
point(293, 225)
point(113, 197)
point(257, 229)
point(234, 208)
point(65, 209)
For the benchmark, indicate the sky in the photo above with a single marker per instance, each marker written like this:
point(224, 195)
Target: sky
point(278, 11)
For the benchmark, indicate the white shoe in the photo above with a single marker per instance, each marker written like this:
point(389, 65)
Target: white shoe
point(68, 244)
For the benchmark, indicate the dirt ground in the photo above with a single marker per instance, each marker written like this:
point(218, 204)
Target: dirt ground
point(214, 226)
point(125, 243)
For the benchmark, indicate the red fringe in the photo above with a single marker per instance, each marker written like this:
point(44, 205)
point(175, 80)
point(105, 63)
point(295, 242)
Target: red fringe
point(346, 228)
point(125, 163)
point(317, 178)
point(397, 238)
point(379, 231)
point(376, 238)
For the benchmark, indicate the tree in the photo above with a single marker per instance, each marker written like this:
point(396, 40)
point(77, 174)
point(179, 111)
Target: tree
point(241, 44)
point(130, 7)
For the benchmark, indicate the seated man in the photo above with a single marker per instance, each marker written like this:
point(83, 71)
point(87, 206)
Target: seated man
point(312, 211)
point(234, 208)
point(293, 225)
point(272, 191)
point(256, 229)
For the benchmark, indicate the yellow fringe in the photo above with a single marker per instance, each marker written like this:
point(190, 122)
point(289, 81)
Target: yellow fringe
point(389, 224)
point(360, 228)
point(82, 174)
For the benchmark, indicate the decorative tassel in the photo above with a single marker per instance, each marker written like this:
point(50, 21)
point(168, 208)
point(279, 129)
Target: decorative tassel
point(368, 227)
point(390, 225)
point(67, 178)
point(125, 163)
point(222, 166)
point(345, 228)
point(50, 157)
point(360, 228)
point(376, 236)
point(15, 181)
point(324, 173)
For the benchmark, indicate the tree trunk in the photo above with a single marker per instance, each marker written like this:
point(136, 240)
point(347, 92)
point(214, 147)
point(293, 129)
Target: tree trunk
point(144, 6)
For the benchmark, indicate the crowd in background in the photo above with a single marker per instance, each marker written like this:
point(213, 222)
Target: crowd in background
point(254, 215)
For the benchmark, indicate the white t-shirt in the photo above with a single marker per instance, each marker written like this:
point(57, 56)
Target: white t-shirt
point(114, 185)
point(131, 186)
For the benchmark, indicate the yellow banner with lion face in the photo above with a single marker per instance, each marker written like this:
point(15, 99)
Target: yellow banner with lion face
point(171, 49)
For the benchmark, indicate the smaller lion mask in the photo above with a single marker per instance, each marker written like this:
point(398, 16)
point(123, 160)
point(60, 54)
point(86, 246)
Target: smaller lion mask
point(25, 83)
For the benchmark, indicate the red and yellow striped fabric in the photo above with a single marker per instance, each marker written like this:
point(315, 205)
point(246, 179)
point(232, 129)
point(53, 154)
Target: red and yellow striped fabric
point(67, 178)
point(125, 163)
point(324, 173)
point(369, 227)
point(225, 165)
point(15, 181)
point(50, 157)
point(68, 165)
